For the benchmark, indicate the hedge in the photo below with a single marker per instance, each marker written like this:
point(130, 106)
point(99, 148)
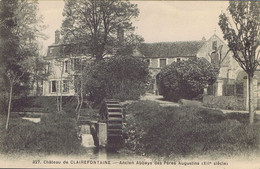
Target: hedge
point(224, 102)
point(46, 103)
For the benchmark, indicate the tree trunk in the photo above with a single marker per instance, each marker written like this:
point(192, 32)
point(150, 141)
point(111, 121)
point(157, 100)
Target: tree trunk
point(58, 107)
point(9, 106)
point(37, 87)
point(61, 84)
point(80, 101)
point(251, 98)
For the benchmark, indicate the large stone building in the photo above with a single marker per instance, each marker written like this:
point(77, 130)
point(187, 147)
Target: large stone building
point(63, 68)
point(231, 81)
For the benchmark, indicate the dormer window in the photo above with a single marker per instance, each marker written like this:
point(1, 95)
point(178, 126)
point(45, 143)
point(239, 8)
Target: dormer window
point(148, 61)
point(66, 66)
point(214, 45)
point(162, 63)
point(51, 50)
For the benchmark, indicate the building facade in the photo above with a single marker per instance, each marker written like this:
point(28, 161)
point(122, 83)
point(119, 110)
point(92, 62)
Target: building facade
point(63, 68)
point(232, 80)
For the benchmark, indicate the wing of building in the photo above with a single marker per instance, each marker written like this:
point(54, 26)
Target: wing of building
point(232, 80)
point(63, 63)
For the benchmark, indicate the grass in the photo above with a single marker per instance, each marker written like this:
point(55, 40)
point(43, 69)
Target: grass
point(188, 130)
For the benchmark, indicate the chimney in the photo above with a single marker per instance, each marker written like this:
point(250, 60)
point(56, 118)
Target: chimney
point(57, 36)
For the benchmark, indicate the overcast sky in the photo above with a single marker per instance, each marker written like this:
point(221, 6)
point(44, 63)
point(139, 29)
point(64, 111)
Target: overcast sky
point(158, 21)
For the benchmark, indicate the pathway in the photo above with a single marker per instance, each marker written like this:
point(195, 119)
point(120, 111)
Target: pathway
point(159, 99)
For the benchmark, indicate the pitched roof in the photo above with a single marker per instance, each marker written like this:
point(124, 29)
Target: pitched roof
point(171, 49)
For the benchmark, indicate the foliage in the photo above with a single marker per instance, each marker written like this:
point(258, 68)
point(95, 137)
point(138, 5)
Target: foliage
point(116, 78)
point(243, 36)
point(100, 27)
point(165, 131)
point(38, 73)
point(224, 102)
point(56, 133)
point(19, 30)
point(47, 103)
point(185, 79)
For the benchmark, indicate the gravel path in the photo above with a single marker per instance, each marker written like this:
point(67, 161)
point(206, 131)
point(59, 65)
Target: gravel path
point(159, 99)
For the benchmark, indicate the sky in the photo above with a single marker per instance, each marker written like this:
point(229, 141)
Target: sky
point(158, 21)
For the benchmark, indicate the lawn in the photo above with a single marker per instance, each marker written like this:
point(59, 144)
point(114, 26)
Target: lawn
point(188, 130)
point(151, 128)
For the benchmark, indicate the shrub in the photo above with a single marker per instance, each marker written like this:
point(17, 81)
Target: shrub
point(47, 103)
point(185, 79)
point(55, 133)
point(116, 78)
point(153, 129)
point(224, 102)
point(3, 102)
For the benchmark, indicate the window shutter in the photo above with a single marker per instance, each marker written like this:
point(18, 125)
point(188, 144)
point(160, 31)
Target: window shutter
point(49, 86)
point(72, 64)
point(50, 67)
point(58, 86)
point(69, 66)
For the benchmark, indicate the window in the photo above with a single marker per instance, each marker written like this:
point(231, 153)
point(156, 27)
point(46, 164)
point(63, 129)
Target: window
point(53, 86)
point(66, 63)
point(162, 63)
point(240, 89)
point(47, 68)
point(148, 61)
point(229, 90)
point(178, 59)
point(214, 45)
point(51, 50)
point(65, 86)
point(76, 64)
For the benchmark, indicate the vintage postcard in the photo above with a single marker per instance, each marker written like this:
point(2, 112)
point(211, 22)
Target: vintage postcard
point(129, 84)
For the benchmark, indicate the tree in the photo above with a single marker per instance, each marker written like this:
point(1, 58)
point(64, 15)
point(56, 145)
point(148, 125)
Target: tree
point(122, 77)
point(18, 37)
point(38, 73)
point(186, 79)
point(242, 34)
point(101, 27)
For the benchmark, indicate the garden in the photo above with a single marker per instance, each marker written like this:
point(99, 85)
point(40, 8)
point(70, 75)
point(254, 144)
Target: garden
point(151, 129)
point(188, 130)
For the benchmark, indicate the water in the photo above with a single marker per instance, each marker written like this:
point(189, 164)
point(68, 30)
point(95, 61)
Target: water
point(35, 120)
point(87, 139)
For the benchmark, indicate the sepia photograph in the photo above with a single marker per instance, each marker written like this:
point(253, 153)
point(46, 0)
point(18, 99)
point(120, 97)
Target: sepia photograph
point(130, 84)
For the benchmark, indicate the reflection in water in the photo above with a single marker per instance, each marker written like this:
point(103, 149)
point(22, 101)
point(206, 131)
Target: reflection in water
point(35, 120)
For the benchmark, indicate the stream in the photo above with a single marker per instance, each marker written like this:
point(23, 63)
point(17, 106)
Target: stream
point(88, 143)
